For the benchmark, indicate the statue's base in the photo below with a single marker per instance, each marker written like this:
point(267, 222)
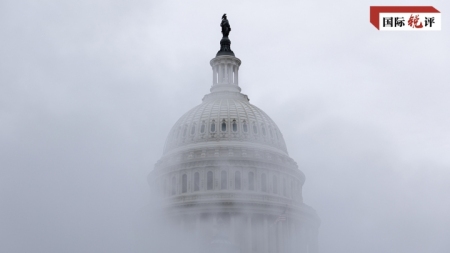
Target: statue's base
point(225, 48)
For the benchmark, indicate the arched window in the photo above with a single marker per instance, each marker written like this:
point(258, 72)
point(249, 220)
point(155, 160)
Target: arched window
point(251, 181)
point(263, 129)
point(193, 129)
point(234, 125)
point(223, 180)
point(284, 187)
point(184, 183)
point(275, 185)
point(202, 128)
point(213, 126)
point(197, 181)
point(270, 132)
point(276, 134)
point(237, 180)
point(174, 185)
point(255, 128)
point(185, 131)
point(244, 126)
point(209, 180)
point(224, 125)
point(263, 182)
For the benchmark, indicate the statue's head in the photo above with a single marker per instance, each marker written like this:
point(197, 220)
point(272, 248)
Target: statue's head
point(224, 16)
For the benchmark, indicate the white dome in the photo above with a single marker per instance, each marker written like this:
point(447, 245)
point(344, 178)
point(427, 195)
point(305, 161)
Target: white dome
point(225, 116)
point(226, 160)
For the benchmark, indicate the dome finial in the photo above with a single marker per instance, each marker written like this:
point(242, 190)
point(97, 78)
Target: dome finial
point(225, 41)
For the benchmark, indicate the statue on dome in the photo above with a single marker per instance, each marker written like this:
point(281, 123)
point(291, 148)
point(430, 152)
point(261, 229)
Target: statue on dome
point(225, 26)
point(225, 41)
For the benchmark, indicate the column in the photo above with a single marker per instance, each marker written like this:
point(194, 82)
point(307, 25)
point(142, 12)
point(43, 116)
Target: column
point(233, 70)
point(197, 232)
point(249, 234)
point(230, 73)
point(220, 73)
point(266, 236)
point(291, 234)
point(236, 81)
point(277, 237)
point(214, 75)
point(232, 229)
point(225, 73)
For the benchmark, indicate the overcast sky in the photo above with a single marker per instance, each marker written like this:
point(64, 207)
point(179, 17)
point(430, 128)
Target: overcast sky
point(90, 89)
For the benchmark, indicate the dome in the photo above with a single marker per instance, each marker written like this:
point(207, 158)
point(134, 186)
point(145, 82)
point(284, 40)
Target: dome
point(226, 117)
point(225, 168)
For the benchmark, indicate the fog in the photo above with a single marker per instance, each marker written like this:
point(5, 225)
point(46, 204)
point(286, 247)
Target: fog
point(89, 92)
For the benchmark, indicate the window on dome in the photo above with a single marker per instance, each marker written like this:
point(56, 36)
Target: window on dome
point(193, 129)
point(276, 134)
point(174, 134)
point(202, 128)
point(224, 126)
point(251, 181)
point(184, 183)
point(223, 180)
point(263, 129)
point(234, 126)
point(197, 181)
point(174, 185)
point(244, 126)
point(270, 132)
point(209, 180)
point(185, 131)
point(275, 185)
point(237, 180)
point(255, 129)
point(263, 182)
point(213, 126)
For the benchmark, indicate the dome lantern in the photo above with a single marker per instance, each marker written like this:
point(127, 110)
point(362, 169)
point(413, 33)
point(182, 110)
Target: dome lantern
point(225, 65)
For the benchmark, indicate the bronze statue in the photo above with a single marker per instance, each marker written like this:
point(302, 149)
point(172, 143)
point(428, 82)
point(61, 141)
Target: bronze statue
point(225, 26)
point(225, 41)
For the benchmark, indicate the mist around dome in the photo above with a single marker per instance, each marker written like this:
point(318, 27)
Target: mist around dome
point(225, 182)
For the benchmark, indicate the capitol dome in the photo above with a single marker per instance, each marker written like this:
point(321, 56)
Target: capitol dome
point(226, 116)
point(225, 168)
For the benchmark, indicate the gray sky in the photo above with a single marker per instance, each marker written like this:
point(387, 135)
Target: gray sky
point(89, 91)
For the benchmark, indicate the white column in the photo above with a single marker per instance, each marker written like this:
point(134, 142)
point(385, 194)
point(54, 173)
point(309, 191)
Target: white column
point(249, 234)
point(266, 236)
point(214, 75)
point(236, 80)
point(290, 235)
point(197, 231)
point(230, 73)
point(222, 66)
point(217, 74)
point(232, 229)
point(278, 237)
point(224, 72)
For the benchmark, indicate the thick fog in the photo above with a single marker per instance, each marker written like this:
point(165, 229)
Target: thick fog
point(90, 89)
